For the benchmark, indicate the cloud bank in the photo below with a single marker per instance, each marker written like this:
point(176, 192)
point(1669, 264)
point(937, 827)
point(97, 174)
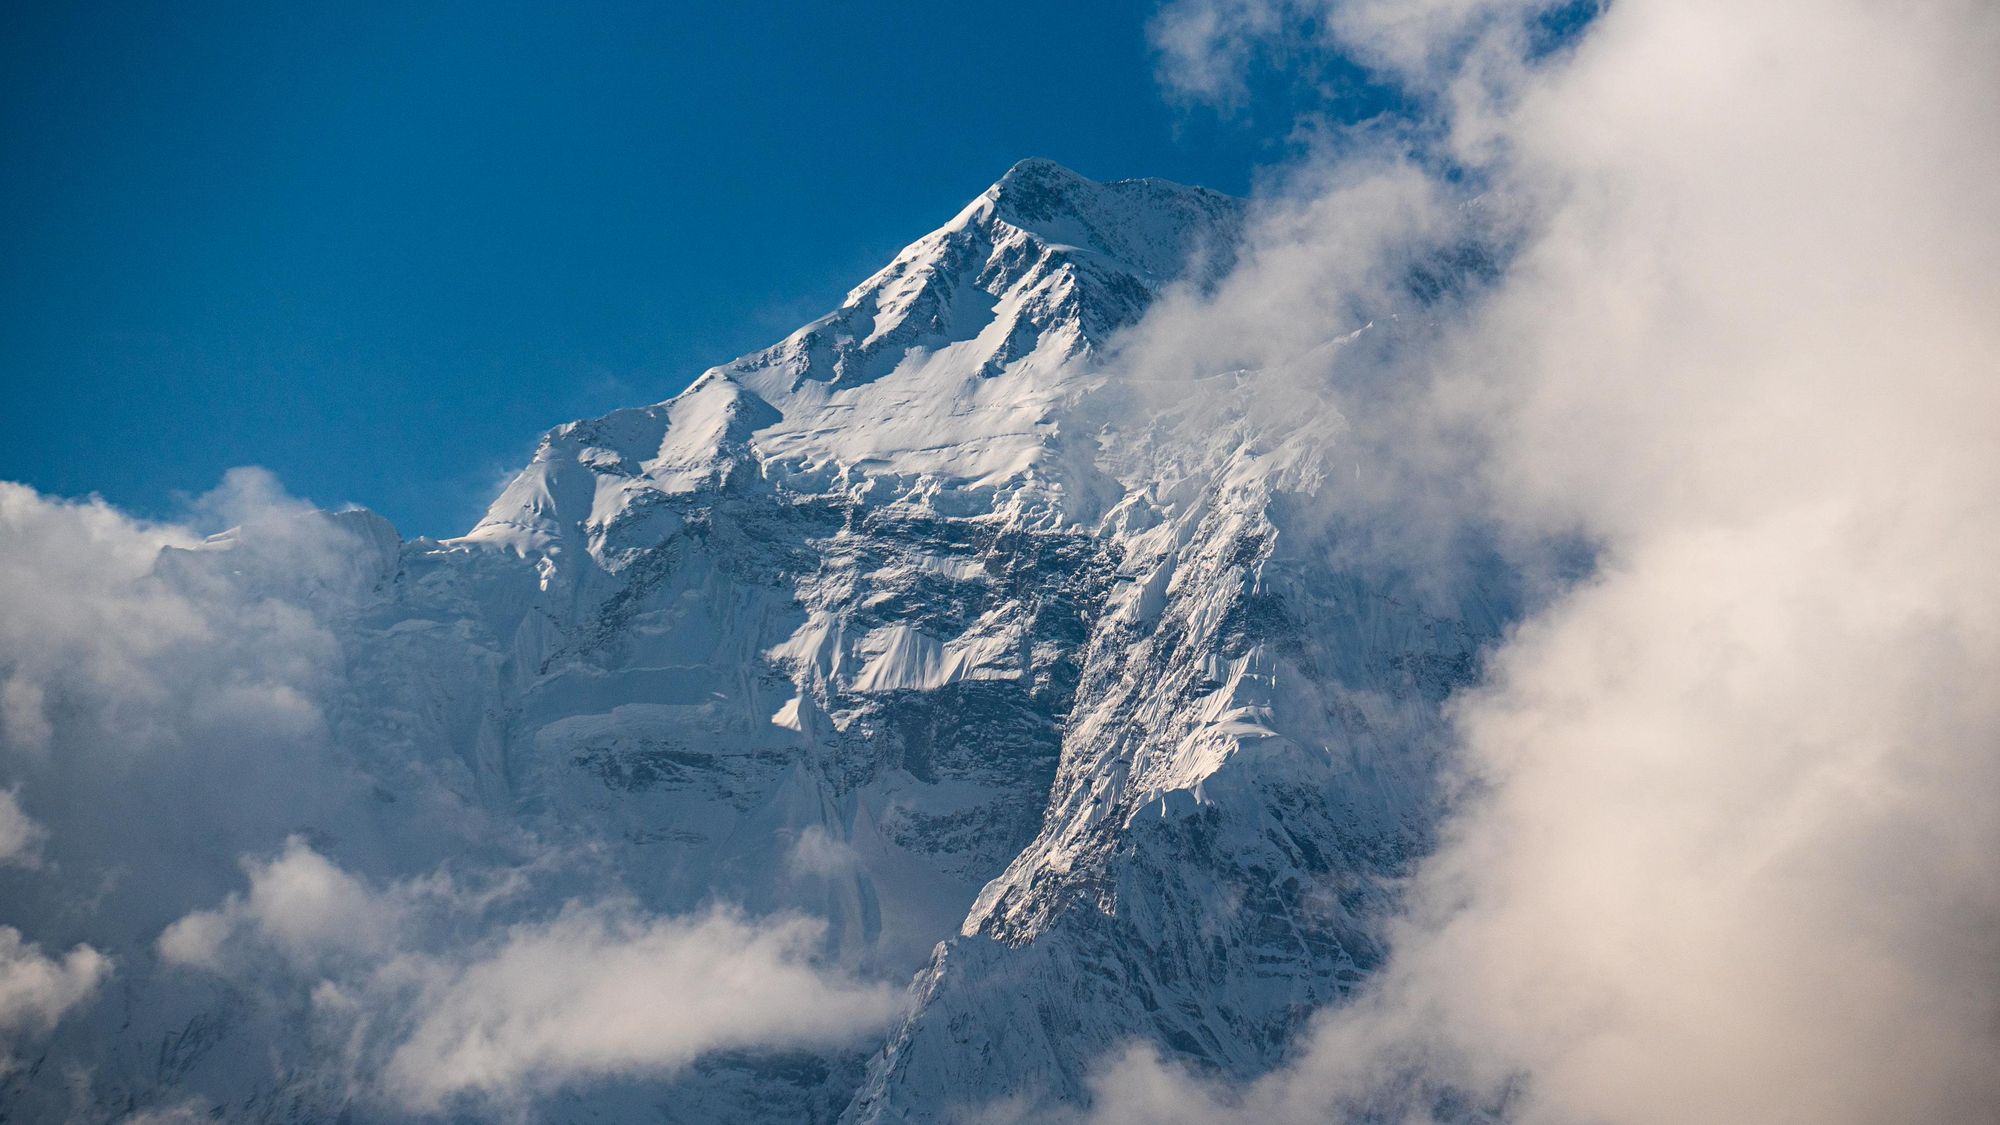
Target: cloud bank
point(180, 802)
point(1727, 850)
point(128, 677)
point(444, 1002)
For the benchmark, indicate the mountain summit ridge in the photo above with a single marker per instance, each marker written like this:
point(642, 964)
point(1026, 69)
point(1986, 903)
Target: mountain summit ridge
point(972, 333)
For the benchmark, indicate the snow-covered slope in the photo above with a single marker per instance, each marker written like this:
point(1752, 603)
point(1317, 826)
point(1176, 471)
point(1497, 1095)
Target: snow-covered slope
point(1039, 688)
point(944, 375)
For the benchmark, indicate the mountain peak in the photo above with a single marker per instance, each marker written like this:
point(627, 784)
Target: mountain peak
point(1033, 166)
point(1151, 227)
point(1039, 185)
point(905, 376)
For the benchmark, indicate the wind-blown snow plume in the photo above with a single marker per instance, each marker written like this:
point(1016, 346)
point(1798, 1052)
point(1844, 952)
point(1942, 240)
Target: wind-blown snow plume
point(1728, 850)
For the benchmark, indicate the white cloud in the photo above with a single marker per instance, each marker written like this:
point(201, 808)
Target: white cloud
point(108, 647)
point(601, 992)
point(818, 852)
point(20, 837)
point(1731, 853)
point(444, 1004)
point(76, 573)
point(36, 989)
point(142, 668)
point(301, 904)
point(163, 708)
point(1205, 49)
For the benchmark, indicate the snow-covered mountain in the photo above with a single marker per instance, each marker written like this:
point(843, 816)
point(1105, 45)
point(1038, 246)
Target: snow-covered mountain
point(1040, 684)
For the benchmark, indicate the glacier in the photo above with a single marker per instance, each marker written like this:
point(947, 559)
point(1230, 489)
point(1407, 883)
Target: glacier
point(1046, 690)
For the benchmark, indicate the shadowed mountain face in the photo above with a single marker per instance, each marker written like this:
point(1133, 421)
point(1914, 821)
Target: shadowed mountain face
point(1034, 686)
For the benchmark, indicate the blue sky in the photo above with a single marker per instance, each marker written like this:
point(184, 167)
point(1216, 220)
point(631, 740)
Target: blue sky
point(378, 249)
